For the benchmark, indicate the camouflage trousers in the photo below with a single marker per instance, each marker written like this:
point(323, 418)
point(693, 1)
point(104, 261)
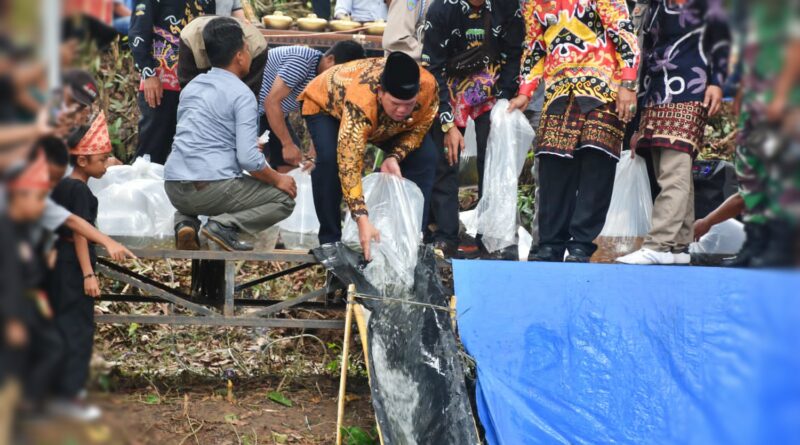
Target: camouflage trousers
point(768, 169)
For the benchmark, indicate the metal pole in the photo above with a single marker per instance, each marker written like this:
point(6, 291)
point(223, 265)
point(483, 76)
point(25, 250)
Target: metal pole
point(51, 33)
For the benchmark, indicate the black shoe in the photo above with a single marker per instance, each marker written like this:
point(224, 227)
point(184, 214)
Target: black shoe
point(578, 255)
point(547, 254)
point(226, 237)
point(778, 247)
point(186, 236)
point(448, 249)
point(505, 254)
point(755, 244)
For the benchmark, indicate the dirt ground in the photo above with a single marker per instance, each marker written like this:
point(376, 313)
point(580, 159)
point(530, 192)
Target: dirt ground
point(204, 414)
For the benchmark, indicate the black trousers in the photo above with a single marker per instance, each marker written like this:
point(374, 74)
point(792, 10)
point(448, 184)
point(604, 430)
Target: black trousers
point(418, 167)
point(74, 319)
point(38, 363)
point(45, 355)
point(274, 145)
point(444, 197)
point(157, 127)
point(322, 8)
point(575, 194)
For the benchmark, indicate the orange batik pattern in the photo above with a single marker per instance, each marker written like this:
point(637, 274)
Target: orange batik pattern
point(348, 92)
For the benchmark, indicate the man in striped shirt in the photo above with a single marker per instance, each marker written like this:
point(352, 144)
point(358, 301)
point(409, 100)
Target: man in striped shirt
point(289, 69)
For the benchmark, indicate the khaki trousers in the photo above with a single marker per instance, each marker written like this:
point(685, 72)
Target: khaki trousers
point(245, 203)
point(9, 396)
point(673, 210)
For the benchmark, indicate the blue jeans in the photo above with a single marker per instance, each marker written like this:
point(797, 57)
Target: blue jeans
point(419, 167)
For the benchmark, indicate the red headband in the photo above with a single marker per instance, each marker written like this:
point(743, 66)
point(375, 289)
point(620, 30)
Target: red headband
point(36, 176)
point(96, 141)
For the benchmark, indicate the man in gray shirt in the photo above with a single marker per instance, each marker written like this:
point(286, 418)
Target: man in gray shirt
point(215, 144)
point(231, 8)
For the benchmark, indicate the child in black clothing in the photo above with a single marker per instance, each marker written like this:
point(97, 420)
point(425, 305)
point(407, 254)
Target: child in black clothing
point(38, 363)
point(73, 283)
point(55, 151)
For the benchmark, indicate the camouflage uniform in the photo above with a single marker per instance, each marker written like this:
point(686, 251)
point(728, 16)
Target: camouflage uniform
point(767, 160)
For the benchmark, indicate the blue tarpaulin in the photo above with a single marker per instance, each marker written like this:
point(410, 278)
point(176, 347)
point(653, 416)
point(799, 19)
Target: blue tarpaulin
point(599, 354)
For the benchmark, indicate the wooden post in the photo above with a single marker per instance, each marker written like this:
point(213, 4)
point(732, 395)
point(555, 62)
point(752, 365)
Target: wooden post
point(348, 322)
point(229, 282)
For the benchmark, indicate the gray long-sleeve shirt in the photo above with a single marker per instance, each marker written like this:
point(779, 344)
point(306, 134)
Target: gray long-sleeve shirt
point(217, 134)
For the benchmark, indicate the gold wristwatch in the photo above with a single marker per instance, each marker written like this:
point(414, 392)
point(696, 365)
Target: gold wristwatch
point(447, 126)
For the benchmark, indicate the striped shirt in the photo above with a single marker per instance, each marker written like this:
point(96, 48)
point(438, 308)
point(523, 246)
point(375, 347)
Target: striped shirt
point(296, 66)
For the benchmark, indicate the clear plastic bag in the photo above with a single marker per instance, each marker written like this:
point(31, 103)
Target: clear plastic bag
point(630, 212)
point(525, 240)
point(725, 238)
point(300, 230)
point(116, 174)
point(470, 142)
point(122, 211)
point(510, 138)
point(395, 208)
point(266, 240)
point(468, 165)
point(132, 201)
point(469, 219)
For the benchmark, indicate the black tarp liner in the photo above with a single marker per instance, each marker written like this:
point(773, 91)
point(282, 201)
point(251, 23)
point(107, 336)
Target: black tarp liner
point(417, 380)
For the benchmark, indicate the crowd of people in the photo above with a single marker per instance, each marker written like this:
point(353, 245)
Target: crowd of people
point(48, 251)
point(593, 77)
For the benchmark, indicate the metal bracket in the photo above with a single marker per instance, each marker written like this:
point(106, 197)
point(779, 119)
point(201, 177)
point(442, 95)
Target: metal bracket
point(146, 284)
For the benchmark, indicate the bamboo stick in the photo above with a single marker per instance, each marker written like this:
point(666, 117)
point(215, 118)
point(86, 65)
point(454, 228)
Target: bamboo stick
point(348, 322)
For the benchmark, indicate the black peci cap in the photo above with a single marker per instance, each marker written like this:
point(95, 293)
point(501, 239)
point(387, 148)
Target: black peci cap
point(400, 76)
point(82, 84)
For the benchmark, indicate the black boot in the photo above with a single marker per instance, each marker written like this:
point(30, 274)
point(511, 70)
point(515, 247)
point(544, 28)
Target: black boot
point(754, 245)
point(778, 247)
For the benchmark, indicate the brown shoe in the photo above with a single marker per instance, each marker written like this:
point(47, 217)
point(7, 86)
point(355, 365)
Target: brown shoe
point(186, 237)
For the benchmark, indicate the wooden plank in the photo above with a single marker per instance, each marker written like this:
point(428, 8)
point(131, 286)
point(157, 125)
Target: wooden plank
point(290, 256)
point(153, 290)
point(228, 285)
point(220, 321)
point(286, 304)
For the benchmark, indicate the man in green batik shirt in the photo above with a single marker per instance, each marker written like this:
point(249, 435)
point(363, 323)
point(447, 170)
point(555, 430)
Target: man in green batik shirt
point(768, 154)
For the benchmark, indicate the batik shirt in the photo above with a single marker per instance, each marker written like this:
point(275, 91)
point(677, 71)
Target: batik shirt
point(581, 48)
point(686, 49)
point(348, 92)
point(155, 35)
point(455, 26)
